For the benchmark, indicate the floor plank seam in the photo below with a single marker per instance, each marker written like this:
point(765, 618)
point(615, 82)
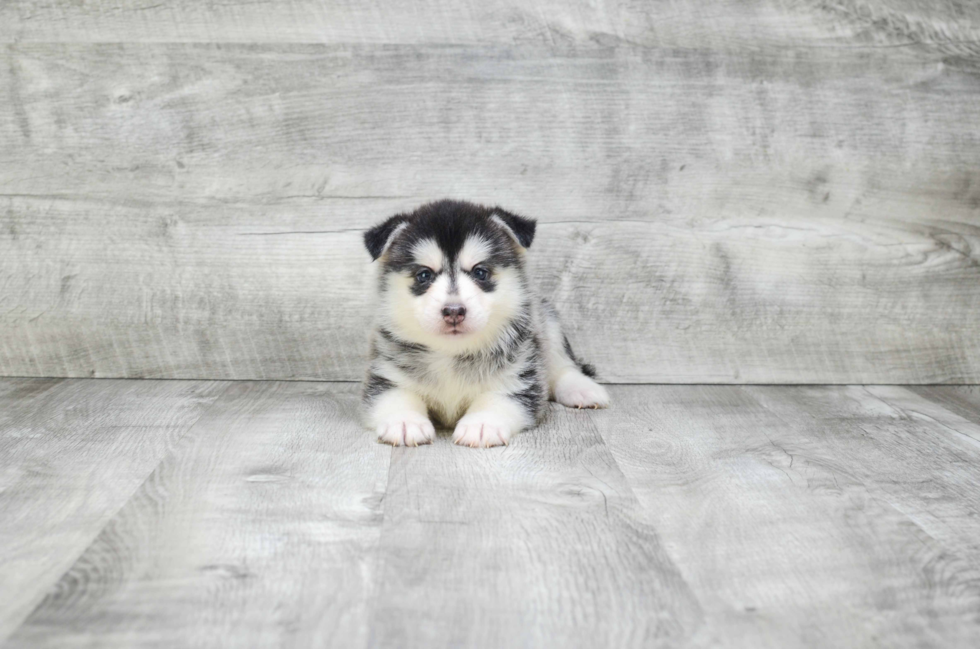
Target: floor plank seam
point(109, 519)
point(966, 411)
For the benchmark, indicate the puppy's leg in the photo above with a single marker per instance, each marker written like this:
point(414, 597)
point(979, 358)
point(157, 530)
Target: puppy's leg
point(491, 421)
point(570, 380)
point(400, 418)
point(576, 390)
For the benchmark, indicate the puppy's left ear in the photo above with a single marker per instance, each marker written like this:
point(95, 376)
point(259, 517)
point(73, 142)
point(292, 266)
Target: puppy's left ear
point(376, 239)
point(520, 228)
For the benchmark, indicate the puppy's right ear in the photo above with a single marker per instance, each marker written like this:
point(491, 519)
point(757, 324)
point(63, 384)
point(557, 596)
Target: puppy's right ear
point(376, 239)
point(518, 227)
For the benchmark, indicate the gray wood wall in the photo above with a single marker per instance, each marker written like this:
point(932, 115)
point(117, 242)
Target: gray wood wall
point(729, 191)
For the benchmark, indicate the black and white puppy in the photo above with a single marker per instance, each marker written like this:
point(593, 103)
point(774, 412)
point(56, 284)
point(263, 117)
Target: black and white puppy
point(459, 333)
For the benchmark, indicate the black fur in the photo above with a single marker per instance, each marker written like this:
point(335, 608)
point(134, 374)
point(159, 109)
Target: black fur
point(587, 369)
point(419, 288)
point(407, 356)
point(449, 223)
point(523, 228)
point(376, 385)
point(402, 345)
point(532, 397)
point(376, 238)
point(486, 285)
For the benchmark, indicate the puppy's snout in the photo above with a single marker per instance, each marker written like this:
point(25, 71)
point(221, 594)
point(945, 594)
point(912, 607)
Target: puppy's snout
point(453, 313)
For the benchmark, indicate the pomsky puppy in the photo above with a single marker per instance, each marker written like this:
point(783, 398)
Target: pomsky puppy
point(459, 333)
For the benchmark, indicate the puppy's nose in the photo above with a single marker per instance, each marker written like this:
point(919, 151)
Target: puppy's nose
point(453, 313)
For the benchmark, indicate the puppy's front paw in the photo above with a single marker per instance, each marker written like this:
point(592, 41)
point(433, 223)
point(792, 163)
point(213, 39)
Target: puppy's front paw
point(576, 390)
point(484, 429)
point(407, 428)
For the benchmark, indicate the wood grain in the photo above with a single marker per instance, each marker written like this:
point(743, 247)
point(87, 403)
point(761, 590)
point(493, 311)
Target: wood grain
point(910, 452)
point(71, 454)
point(258, 530)
point(951, 24)
point(695, 516)
point(964, 400)
point(530, 546)
point(759, 215)
point(775, 516)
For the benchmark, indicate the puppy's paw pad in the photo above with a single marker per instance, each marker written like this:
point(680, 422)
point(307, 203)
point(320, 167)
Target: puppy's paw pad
point(406, 429)
point(576, 390)
point(481, 430)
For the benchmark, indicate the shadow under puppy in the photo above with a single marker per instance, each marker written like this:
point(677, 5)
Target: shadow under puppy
point(459, 333)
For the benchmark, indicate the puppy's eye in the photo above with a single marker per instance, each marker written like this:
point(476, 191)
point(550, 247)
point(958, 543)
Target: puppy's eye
point(424, 276)
point(480, 273)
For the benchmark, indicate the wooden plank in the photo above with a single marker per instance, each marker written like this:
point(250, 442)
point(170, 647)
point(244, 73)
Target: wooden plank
point(784, 541)
point(963, 400)
point(19, 396)
point(642, 301)
point(257, 531)
point(962, 421)
point(600, 133)
point(192, 211)
point(71, 453)
point(534, 545)
point(915, 455)
point(685, 515)
point(743, 23)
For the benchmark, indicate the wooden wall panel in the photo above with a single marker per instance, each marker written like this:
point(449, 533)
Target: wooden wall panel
point(721, 24)
point(806, 210)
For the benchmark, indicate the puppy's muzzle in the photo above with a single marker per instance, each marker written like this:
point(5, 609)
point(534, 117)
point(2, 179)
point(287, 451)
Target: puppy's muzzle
point(453, 314)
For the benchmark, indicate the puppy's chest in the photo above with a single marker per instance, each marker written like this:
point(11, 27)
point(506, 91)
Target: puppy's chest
point(480, 374)
point(450, 384)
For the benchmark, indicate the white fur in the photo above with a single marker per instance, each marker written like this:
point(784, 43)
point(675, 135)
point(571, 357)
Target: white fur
point(400, 418)
point(453, 394)
point(427, 253)
point(419, 318)
point(558, 363)
point(427, 308)
point(490, 421)
point(576, 390)
point(566, 383)
point(475, 249)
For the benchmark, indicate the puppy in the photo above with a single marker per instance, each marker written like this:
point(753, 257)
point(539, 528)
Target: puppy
point(459, 333)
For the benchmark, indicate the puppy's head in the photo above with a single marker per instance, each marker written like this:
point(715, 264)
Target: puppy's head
point(452, 273)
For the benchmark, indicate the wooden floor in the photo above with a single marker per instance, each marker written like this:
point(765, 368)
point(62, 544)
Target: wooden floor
point(184, 513)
